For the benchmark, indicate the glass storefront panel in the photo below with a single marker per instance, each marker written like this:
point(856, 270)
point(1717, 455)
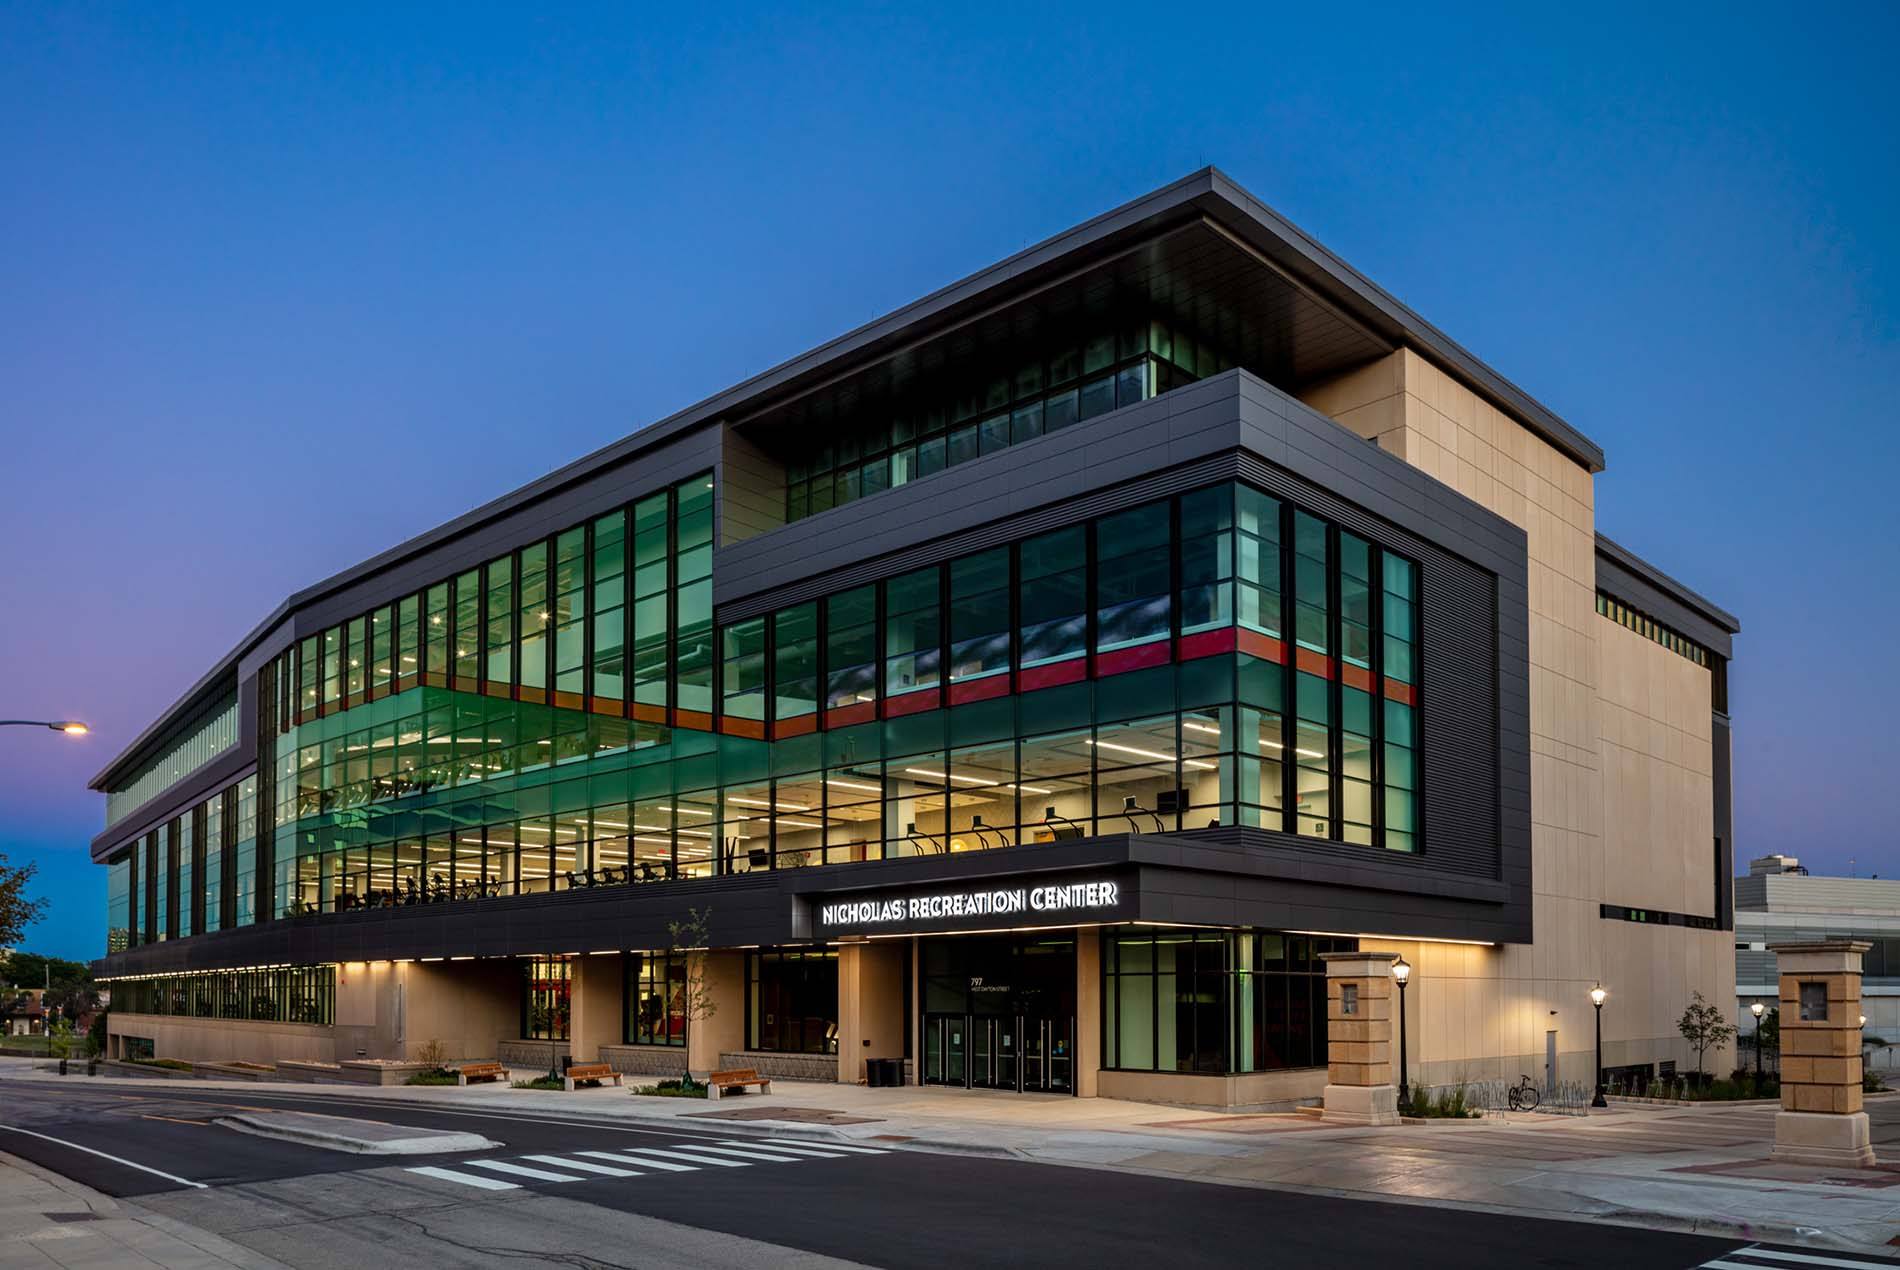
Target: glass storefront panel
point(792, 1001)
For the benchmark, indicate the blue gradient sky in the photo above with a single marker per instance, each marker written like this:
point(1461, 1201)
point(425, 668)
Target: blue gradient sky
point(277, 291)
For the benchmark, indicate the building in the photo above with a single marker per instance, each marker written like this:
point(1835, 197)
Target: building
point(23, 1012)
point(1779, 902)
point(1031, 684)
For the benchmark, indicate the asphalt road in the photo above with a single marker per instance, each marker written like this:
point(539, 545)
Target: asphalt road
point(612, 1194)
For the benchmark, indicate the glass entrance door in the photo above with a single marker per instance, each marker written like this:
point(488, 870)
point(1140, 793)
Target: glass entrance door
point(1014, 1052)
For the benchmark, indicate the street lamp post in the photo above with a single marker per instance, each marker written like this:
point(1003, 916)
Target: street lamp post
point(71, 727)
point(1597, 995)
point(1757, 1009)
point(1401, 972)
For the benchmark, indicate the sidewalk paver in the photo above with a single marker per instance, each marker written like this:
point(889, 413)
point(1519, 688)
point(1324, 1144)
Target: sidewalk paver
point(48, 1222)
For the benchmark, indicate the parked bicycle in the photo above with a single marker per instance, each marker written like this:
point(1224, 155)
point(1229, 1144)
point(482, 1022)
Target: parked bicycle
point(1524, 1096)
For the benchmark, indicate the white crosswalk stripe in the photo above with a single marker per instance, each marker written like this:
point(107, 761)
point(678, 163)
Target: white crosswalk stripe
point(617, 1158)
point(1756, 1257)
point(780, 1157)
point(522, 1170)
point(605, 1170)
point(637, 1162)
point(825, 1146)
point(466, 1179)
point(640, 1153)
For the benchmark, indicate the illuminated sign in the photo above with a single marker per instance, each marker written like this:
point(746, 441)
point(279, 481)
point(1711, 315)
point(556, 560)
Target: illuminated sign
point(1019, 905)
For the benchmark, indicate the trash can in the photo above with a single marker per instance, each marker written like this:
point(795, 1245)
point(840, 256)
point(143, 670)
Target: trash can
point(874, 1073)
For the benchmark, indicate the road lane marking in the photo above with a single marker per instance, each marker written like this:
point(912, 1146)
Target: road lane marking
point(826, 1153)
point(465, 1179)
point(829, 1146)
point(1766, 1255)
point(130, 1164)
point(641, 1152)
point(619, 1158)
point(605, 1170)
point(522, 1170)
point(784, 1157)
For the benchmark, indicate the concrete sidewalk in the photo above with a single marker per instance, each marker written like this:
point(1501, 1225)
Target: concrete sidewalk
point(1680, 1168)
point(50, 1223)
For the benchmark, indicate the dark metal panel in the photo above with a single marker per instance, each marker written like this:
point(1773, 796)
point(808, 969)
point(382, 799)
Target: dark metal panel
point(1641, 585)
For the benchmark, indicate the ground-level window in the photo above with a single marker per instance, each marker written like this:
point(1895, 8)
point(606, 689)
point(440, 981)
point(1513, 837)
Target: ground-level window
point(656, 999)
point(792, 1001)
point(544, 998)
point(1214, 1001)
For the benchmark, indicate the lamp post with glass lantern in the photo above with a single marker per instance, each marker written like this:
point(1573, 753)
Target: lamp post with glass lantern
point(1597, 996)
point(1401, 972)
point(1757, 1009)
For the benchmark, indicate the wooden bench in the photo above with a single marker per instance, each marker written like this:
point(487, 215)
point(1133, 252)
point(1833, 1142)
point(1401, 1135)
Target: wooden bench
point(578, 1072)
point(738, 1078)
point(468, 1073)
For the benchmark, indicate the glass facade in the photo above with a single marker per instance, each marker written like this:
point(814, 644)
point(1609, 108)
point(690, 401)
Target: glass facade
point(893, 442)
point(1148, 671)
point(212, 736)
point(656, 999)
point(284, 994)
point(1214, 1002)
point(545, 983)
point(792, 1001)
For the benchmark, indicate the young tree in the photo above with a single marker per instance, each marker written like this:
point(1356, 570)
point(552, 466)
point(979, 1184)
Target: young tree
point(17, 912)
point(696, 1001)
point(1703, 1026)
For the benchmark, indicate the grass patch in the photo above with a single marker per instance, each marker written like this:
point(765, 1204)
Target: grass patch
point(1449, 1104)
point(540, 1082)
point(686, 1088)
point(437, 1077)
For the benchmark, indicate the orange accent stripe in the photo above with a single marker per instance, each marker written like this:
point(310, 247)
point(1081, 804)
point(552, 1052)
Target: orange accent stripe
point(1313, 663)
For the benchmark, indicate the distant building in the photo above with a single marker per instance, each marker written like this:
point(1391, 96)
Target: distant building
point(22, 1012)
point(1780, 902)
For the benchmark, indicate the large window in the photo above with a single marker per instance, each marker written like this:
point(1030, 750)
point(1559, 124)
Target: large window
point(656, 998)
point(792, 1001)
point(285, 994)
point(544, 998)
point(1214, 1002)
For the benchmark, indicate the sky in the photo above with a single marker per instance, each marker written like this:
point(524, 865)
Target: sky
point(280, 289)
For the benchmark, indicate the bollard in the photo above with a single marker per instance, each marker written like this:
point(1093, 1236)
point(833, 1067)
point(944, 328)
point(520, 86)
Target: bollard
point(62, 1067)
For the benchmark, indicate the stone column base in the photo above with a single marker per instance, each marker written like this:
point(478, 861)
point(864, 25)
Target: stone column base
point(1364, 1104)
point(1811, 1137)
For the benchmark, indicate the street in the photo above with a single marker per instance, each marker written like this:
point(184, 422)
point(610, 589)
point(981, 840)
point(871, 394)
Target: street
point(563, 1189)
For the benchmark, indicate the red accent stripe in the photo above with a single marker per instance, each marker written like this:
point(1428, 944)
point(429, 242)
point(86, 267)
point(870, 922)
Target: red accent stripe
point(912, 703)
point(742, 727)
point(1140, 657)
point(1265, 647)
point(1313, 663)
point(1355, 676)
point(856, 712)
point(1208, 643)
point(979, 690)
point(1052, 675)
point(803, 725)
point(696, 720)
point(1402, 692)
point(649, 714)
point(607, 705)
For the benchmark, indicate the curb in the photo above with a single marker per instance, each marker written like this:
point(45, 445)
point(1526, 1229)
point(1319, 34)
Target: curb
point(437, 1144)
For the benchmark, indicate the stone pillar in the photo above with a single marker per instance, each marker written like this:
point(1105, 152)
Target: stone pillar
point(1821, 1121)
point(871, 1018)
point(724, 1033)
point(1087, 1060)
point(1359, 1087)
point(595, 1012)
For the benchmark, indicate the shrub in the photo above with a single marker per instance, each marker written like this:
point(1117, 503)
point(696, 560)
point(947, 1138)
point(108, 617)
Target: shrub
point(1448, 1104)
point(1871, 1082)
point(433, 1053)
point(436, 1077)
point(540, 1082)
point(685, 1087)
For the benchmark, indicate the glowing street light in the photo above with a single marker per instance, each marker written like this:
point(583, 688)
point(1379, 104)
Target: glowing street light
point(1758, 1009)
point(1597, 997)
point(71, 727)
